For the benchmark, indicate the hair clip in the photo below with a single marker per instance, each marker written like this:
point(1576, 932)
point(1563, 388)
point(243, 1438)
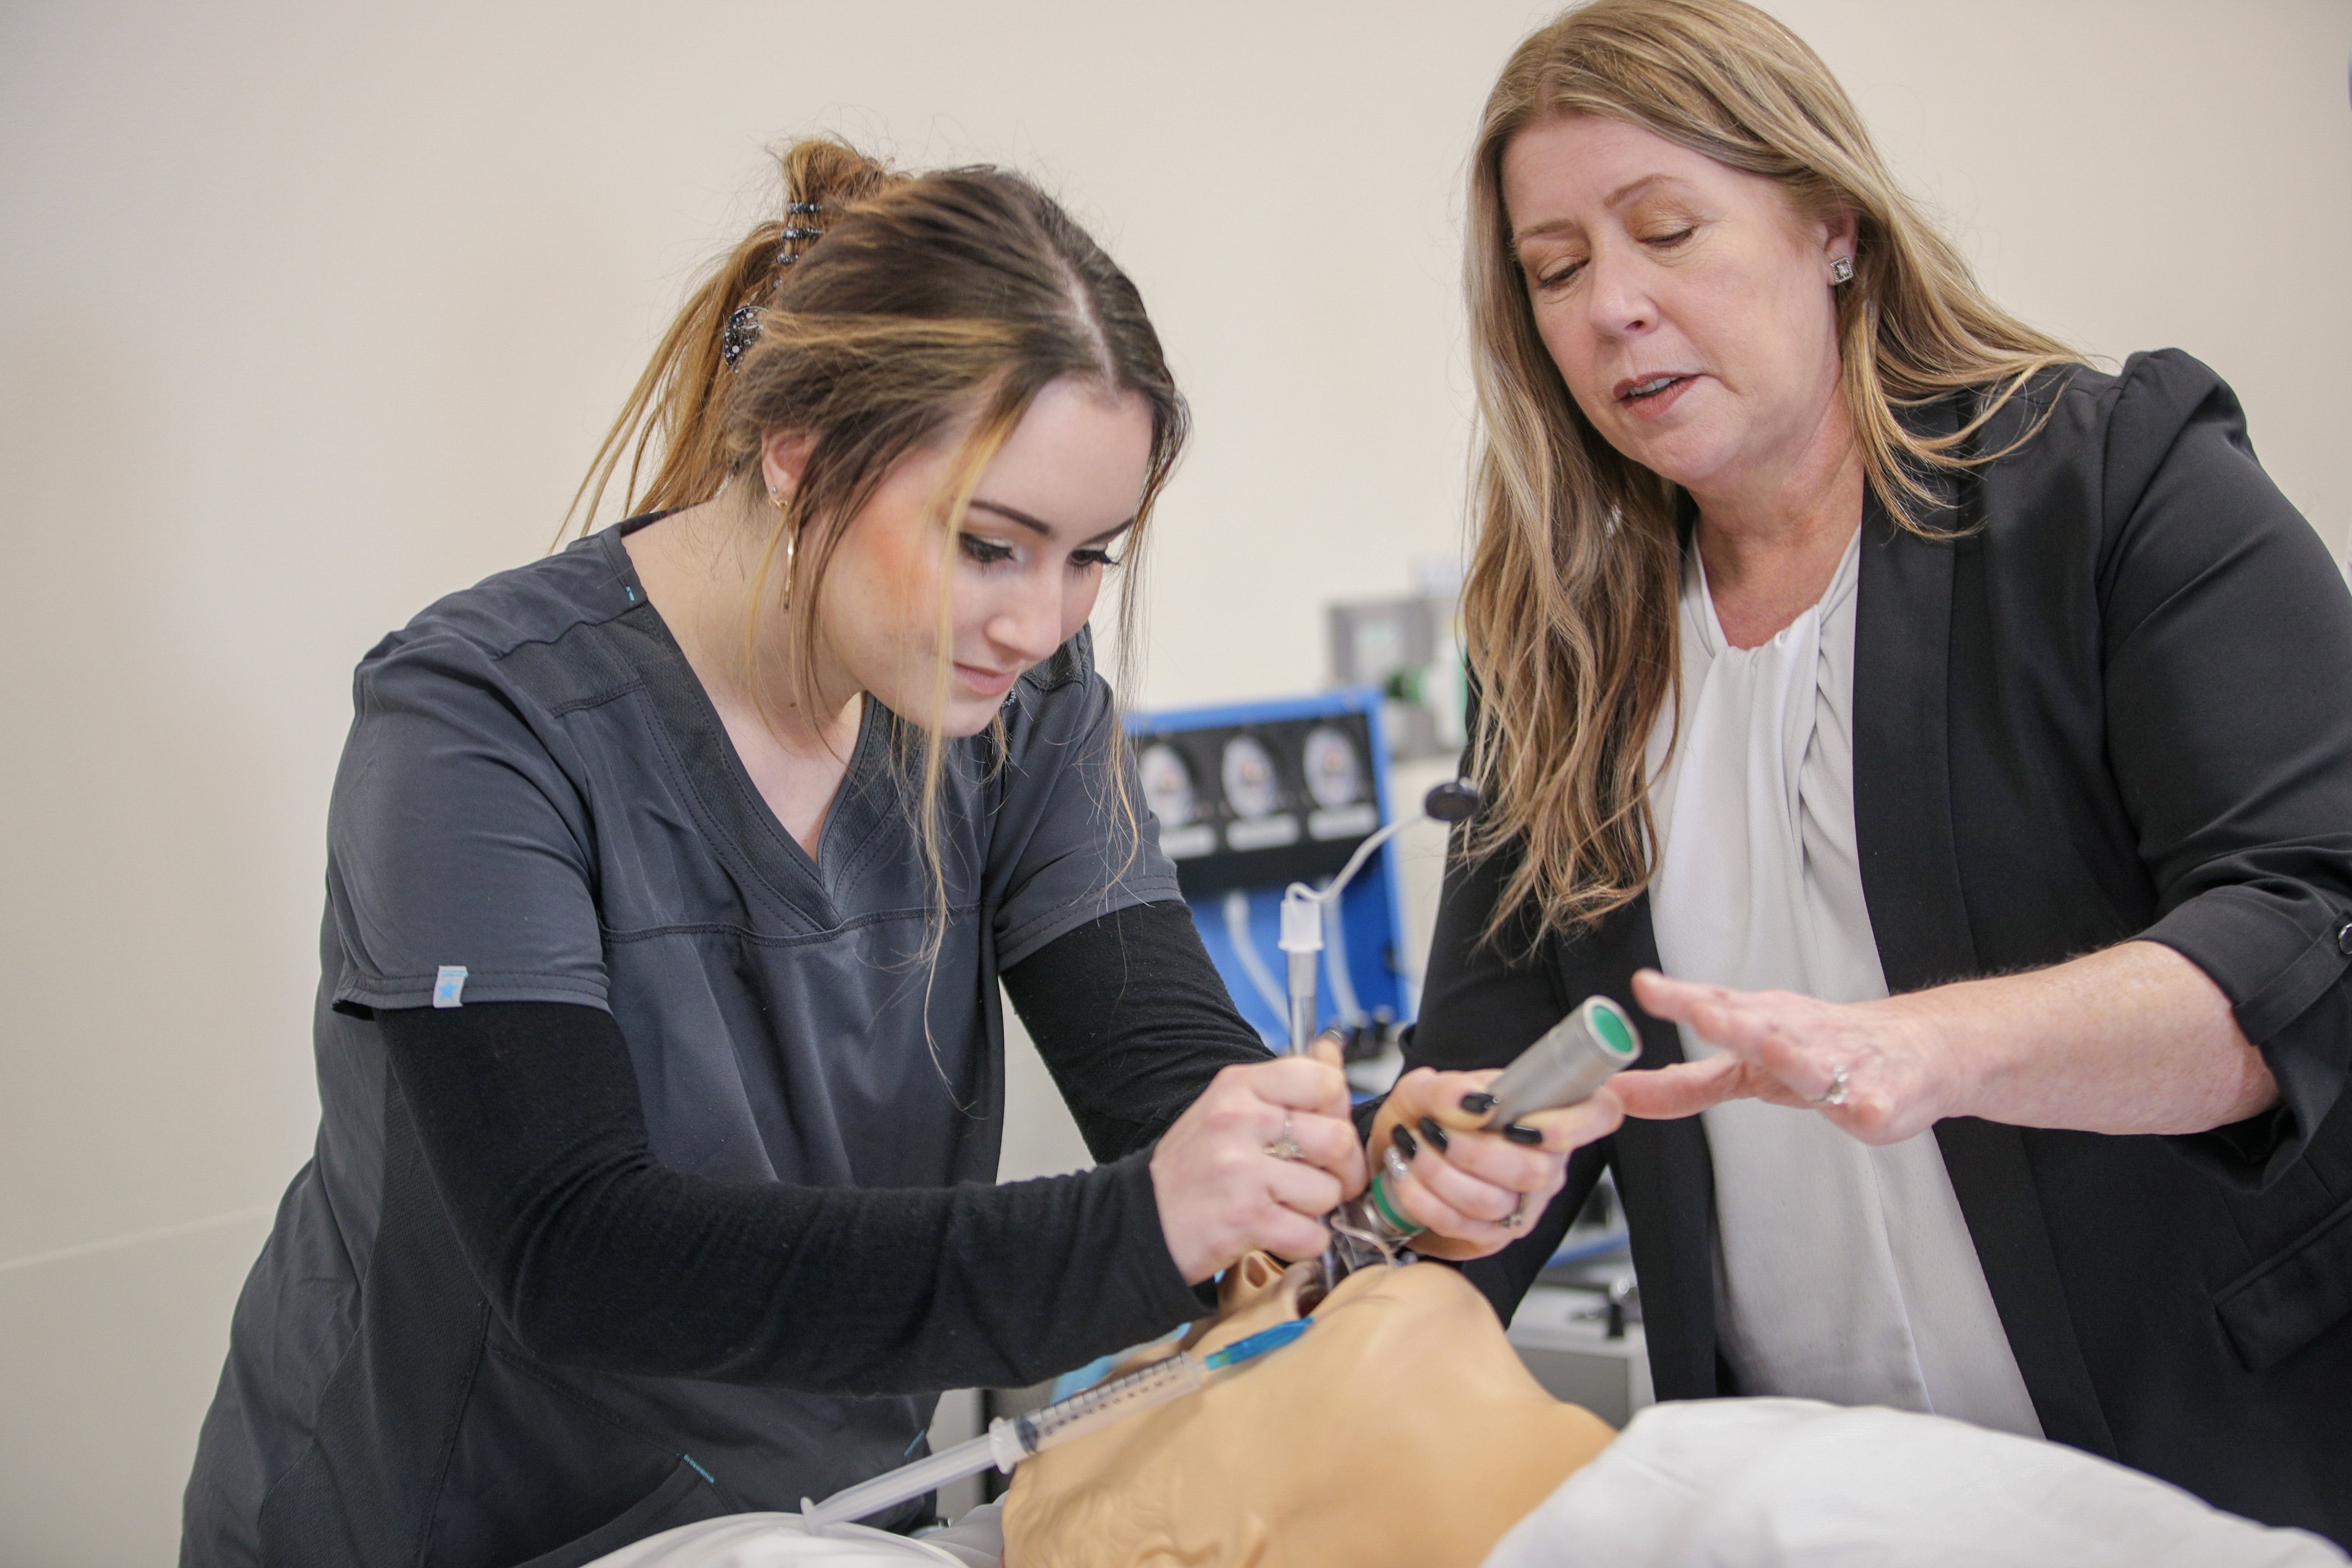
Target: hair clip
point(810, 208)
point(804, 234)
point(742, 332)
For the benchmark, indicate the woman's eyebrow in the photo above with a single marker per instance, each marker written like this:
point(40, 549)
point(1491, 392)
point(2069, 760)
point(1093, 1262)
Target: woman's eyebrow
point(1014, 514)
point(1041, 529)
point(1632, 188)
point(1616, 199)
point(1543, 230)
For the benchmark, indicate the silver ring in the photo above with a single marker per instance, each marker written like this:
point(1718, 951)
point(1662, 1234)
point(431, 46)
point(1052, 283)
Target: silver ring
point(1835, 1093)
point(1519, 1214)
point(1284, 1147)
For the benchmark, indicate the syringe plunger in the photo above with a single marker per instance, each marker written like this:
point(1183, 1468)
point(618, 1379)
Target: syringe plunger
point(1010, 1440)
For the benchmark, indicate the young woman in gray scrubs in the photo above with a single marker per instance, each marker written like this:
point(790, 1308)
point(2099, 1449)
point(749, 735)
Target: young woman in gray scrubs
point(670, 882)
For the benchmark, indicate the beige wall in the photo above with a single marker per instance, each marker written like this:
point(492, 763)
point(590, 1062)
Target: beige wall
point(311, 312)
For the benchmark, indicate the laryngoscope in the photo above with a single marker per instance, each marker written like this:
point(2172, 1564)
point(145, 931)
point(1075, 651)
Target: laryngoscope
point(1010, 1439)
point(1566, 1064)
point(1572, 1058)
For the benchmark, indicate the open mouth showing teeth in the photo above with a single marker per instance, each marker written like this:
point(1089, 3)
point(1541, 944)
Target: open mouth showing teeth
point(1652, 387)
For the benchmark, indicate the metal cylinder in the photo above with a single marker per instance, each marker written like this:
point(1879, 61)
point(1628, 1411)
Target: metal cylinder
point(1572, 1058)
point(1303, 1000)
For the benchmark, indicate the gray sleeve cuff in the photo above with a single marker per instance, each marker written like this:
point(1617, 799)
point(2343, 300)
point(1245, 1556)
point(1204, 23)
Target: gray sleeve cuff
point(357, 992)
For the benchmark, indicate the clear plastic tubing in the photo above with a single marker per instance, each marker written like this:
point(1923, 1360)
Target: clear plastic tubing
point(1010, 1439)
point(888, 1490)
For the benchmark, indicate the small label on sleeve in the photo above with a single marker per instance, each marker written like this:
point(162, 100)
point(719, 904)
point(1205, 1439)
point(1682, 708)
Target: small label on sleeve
point(449, 987)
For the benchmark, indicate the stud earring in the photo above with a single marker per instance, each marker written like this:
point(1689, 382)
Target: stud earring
point(1841, 269)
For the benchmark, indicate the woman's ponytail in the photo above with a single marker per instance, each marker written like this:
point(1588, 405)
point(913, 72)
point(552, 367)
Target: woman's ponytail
point(678, 407)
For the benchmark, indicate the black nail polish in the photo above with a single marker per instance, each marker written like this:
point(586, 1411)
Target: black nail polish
point(1478, 1103)
point(1520, 1132)
point(1434, 1133)
point(1401, 1136)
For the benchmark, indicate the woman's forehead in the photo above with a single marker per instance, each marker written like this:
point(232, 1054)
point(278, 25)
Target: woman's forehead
point(1564, 172)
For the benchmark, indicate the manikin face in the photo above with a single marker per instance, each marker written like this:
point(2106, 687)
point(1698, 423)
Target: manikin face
point(1044, 526)
point(1688, 305)
point(1402, 1428)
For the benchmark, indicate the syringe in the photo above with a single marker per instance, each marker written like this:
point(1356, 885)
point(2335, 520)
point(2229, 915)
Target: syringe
point(1010, 1439)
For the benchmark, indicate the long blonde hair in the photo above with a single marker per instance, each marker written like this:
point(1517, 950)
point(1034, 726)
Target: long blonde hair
point(873, 313)
point(1569, 603)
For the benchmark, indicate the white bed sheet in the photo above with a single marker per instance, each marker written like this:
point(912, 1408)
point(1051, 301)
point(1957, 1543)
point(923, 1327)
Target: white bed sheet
point(1720, 1483)
point(1793, 1483)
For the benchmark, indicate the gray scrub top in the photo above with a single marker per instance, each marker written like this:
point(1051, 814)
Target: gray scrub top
point(537, 791)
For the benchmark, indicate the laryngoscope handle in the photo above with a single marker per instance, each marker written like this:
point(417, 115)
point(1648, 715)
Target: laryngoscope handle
point(1572, 1058)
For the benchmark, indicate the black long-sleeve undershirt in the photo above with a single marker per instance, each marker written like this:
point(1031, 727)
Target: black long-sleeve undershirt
point(594, 1254)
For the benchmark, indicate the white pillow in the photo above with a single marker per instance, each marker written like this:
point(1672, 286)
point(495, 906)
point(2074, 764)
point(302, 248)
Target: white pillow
point(778, 1541)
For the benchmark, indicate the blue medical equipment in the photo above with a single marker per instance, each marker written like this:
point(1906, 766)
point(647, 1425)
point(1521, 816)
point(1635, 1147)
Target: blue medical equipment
point(1253, 796)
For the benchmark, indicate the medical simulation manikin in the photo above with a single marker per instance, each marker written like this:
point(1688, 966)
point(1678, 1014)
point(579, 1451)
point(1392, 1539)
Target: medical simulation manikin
point(1404, 1429)
point(1401, 1429)
point(1406, 1389)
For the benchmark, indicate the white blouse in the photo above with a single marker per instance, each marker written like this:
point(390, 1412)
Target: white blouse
point(1843, 1272)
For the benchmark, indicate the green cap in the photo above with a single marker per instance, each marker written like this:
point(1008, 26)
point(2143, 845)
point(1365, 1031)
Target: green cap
point(1611, 1027)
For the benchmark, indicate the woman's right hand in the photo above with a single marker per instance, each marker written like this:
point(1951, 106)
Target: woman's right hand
point(1223, 1193)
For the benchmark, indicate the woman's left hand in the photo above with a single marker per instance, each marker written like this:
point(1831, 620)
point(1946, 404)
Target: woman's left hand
point(1881, 1070)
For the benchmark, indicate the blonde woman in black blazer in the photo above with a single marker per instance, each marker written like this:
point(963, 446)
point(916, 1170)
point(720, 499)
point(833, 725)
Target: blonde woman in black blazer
point(2101, 752)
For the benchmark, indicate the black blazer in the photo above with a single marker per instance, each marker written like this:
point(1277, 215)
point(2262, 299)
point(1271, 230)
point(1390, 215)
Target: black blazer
point(2119, 705)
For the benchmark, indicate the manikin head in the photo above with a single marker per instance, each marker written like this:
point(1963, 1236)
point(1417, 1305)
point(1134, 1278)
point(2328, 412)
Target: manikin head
point(1402, 1428)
